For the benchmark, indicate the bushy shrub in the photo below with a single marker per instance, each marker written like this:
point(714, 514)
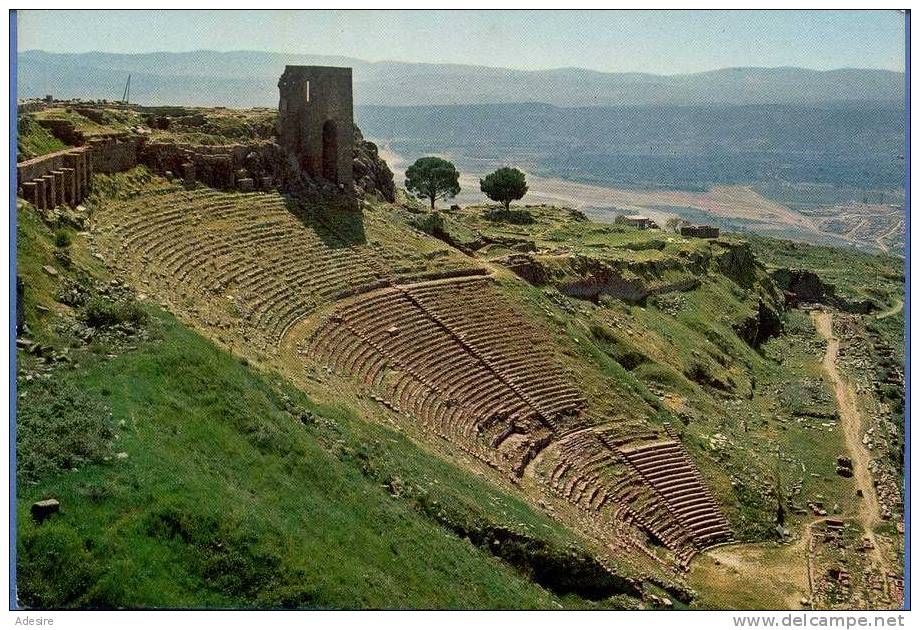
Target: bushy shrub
point(515, 216)
point(60, 427)
point(102, 313)
point(430, 223)
point(55, 570)
point(62, 238)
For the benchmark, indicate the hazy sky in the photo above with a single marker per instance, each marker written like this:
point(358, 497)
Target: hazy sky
point(642, 41)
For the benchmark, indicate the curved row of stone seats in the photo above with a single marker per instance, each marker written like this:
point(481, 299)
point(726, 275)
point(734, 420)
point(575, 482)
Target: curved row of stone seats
point(403, 332)
point(655, 520)
point(450, 353)
point(666, 466)
point(428, 371)
point(504, 339)
point(587, 472)
point(250, 246)
point(586, 469)
point(401, 342)
point(407, 390)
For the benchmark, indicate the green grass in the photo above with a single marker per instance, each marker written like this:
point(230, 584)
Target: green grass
point(854, 274)
point(236, 491)
point(33, 140)
point(189, 479)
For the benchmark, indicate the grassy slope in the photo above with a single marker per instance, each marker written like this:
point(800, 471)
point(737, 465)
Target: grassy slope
point(33, 140)
point(238, 491)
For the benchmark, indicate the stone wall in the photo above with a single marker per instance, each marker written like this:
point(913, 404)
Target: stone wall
point(113, 154)
point(252, 166)
point(64, 131)
point(55, 179)
point(64, 176)
point(699, 231)
point(30, 106)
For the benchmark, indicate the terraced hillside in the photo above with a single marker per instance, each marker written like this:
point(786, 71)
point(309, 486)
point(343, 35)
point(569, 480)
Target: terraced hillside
point(714, 337)
point(251, 262)
point(654, 395)
point(187, 478)
point(455, 356)
point(430, 350)
point(431, 335)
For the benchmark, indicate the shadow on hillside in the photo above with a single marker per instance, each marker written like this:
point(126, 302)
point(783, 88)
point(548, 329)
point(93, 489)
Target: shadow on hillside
point(334, 223)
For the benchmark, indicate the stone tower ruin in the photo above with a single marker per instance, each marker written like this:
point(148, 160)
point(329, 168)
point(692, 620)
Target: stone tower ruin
point(315, 120)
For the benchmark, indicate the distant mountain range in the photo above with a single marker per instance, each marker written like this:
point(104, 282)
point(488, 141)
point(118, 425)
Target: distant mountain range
point(249, 79)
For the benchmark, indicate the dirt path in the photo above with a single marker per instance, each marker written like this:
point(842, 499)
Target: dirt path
point(880, 239)
point(894, 310)
point(748, 576)
point(851, 423)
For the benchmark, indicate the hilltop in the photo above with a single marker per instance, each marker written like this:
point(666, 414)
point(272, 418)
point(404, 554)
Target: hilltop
point(824, 148)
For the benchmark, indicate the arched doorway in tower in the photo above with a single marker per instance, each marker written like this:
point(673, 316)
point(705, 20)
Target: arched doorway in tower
point(330, 151)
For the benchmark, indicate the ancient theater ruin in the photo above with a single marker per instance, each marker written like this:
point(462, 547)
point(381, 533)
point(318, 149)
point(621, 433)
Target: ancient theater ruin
point(419, 330)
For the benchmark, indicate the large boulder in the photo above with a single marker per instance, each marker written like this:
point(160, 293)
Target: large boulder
point(42, 510)
point(738, 263)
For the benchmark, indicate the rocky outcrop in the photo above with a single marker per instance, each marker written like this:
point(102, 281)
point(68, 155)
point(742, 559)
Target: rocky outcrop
point(372, 175)
point(63, 130)
point(737, 262)
point(597, 278)
point(766, 322)
point(630, 282)
point(527, 267)
point(803, 286)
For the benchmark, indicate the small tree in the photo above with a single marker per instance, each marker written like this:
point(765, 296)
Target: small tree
point(504, 185)
point(433, 178)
